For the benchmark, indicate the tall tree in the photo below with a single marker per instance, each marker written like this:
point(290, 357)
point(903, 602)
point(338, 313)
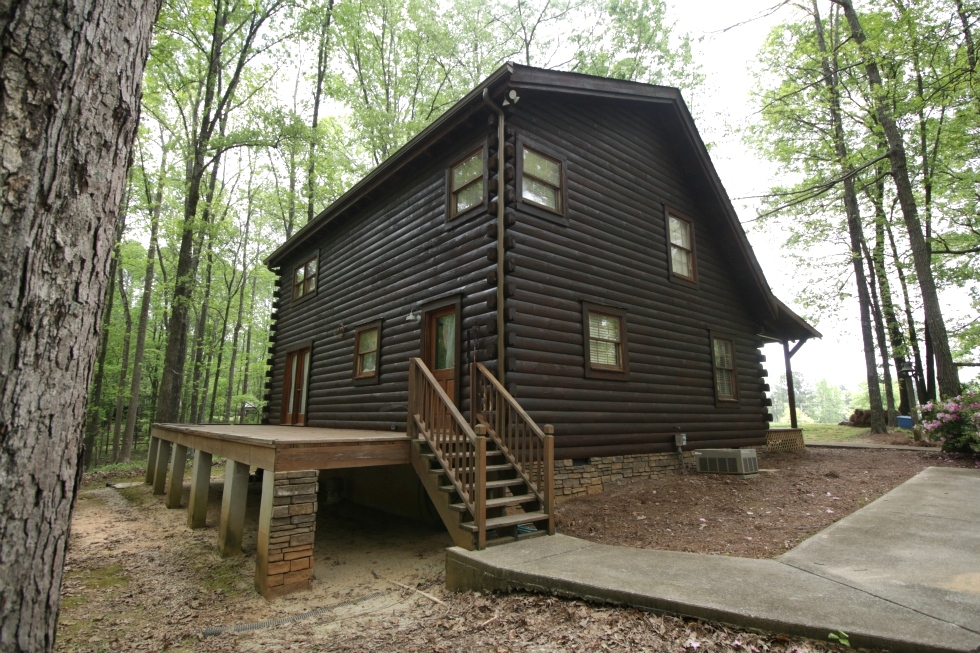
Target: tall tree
point(948, 378)
point(69, 105)
point(829, 67)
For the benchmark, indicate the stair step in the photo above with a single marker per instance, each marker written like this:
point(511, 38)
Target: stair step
point(495, 541)
point(498, 503)
point(507, 520)
point(491, 485)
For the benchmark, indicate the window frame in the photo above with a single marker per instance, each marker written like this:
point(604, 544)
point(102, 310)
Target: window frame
point(529, 206)
point(673, 274)
point(714, 335)
point(451, 213)
point(288, 414)
point(307, 278)
point(370, 377)
point(599, 371)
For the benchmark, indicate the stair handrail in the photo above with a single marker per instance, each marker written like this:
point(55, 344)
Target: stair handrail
point(528, 447)
point(457, 447)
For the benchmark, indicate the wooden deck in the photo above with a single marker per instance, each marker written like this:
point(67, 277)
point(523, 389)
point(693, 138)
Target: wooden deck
point(290, 448)
point(290, 458)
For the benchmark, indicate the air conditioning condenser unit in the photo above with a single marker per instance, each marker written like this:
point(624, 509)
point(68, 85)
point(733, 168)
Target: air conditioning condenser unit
point(743, 462)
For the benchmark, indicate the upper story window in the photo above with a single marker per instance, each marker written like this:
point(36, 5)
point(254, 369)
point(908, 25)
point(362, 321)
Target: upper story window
point(367, 346)
point(605, 331)
point(466, 184)
point(723, 362)
point(304, 278)
point(680, 231)
point(541, 180)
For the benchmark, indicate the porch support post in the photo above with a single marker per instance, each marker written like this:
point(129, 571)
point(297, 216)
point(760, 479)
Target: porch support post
point(233, 509)
point(175, 484)
point(160, 468)
point(151, 459)
point(790, 391)
point(197, 505)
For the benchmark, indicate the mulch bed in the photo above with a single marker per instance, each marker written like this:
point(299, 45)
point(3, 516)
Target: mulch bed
point(796, 495)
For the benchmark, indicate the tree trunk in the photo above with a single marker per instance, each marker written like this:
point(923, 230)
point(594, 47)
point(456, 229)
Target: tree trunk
point(134, 391)
point(322, 59)
point(70, 78)
point(920, 382)
point(248, 351)
point(948, 378)
point(197, 400)
point(123, 370)
point(879, 325)
point(854, 227)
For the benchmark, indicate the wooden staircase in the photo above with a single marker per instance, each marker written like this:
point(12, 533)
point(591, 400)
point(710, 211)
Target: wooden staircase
point(491, 478)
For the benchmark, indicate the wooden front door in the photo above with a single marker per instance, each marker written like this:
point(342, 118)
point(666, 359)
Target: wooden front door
point(441, 347)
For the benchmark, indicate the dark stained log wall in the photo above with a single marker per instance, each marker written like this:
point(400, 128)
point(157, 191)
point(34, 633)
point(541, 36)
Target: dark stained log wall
point(398, 252)
point(624, 163)
point(394, 255)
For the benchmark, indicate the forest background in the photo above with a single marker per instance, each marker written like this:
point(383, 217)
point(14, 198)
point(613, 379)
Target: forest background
point(258, 113)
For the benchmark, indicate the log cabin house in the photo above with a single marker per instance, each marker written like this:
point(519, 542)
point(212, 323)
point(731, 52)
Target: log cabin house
point(555, 250)
point(571, 235)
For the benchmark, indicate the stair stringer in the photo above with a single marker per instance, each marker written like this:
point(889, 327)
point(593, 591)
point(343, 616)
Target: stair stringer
point(441, 500)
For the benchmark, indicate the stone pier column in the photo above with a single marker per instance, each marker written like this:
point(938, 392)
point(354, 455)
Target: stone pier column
point(160, 469)
point(175, 480)
point(197, 506)
point(287, 525)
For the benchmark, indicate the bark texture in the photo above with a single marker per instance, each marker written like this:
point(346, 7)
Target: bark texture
point(69, 104)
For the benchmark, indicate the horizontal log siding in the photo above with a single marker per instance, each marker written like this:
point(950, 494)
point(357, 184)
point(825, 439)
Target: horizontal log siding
point(621, 169)
point(397, 252)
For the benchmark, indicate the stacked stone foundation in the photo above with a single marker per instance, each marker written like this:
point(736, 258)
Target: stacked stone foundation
point(593, 475)
point(289, 564)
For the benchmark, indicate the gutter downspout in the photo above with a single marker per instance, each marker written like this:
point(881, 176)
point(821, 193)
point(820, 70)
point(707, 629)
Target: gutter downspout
point(501, 340)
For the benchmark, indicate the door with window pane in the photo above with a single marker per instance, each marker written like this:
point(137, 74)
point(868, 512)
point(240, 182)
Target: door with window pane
point(294, 387)
point(440, 347)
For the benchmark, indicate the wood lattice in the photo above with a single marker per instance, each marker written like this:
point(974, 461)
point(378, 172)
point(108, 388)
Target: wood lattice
point(784, 440)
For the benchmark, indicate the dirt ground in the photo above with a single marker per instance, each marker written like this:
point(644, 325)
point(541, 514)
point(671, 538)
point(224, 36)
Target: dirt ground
point(137, 579)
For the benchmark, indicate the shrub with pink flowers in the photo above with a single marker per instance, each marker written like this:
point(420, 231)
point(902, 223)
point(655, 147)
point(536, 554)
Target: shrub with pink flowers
point(954, 422)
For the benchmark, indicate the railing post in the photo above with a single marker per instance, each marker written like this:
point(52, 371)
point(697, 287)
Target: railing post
point(410, 430)
point(472, 387)
point(480, 500)
point(549, 475)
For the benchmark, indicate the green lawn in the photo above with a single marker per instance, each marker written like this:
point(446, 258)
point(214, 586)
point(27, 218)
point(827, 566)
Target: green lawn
point(828, 432)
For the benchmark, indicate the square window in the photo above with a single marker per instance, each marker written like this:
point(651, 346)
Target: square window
point(304, 278)
point(680, 232)
point(605, 342)
point(466, 184)
point(367, 349)
point(723, 363)
point(541, 180)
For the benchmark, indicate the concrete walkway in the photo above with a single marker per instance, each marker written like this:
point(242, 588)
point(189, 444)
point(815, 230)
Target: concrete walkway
point(870, 445)
point(902, 573)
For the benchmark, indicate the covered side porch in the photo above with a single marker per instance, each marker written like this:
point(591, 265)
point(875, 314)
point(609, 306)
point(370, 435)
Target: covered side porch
point(290, 460)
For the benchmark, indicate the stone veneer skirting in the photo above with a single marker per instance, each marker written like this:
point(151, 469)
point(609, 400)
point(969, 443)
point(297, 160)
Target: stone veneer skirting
point(573, 477)
point(289, 567)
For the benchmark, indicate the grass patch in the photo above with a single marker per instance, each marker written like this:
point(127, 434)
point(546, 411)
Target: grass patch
point(104, 577)
point(828, 432)
point(138, 495)
point(223, 575)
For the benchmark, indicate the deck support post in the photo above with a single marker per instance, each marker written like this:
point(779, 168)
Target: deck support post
point(151, 459)
point(175, 480)
point(197, 505)
point(790, 390)
point(287, 528)
point(233, 509)
point(160, 469)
